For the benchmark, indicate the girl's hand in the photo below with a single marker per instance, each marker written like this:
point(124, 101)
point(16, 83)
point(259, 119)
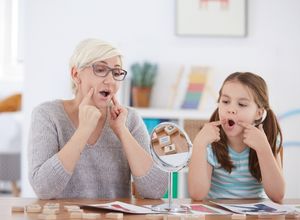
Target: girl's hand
point(88, 114)
point(254, 137)
point(209, 133)
point(117, 116)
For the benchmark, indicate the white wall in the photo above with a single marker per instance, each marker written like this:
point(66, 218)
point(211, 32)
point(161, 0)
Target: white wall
point(145, 30)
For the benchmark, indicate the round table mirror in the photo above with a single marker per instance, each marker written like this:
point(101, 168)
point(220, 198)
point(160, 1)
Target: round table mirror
point(171, 149)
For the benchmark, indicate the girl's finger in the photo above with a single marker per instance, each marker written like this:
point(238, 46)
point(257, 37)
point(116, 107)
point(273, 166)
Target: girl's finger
point(216, 123)
point(243, 124)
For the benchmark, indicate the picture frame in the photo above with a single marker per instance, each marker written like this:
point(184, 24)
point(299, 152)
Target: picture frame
point(222, 18)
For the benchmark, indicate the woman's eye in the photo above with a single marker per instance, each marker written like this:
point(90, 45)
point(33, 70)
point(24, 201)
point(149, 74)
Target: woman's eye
point(117, 74)
point(100, 70)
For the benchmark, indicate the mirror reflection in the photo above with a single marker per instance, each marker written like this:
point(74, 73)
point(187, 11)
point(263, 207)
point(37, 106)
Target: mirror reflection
point(171, 146)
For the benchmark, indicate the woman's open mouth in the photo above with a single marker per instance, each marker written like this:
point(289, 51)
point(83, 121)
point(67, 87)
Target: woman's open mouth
point(105, 93)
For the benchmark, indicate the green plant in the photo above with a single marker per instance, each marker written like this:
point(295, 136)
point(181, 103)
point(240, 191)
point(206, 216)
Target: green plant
point(143, 75)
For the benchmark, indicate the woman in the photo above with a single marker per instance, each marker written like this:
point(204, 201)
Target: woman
point(89, 146)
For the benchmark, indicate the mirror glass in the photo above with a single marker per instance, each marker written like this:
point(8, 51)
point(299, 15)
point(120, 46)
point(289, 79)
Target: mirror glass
point(170, 146)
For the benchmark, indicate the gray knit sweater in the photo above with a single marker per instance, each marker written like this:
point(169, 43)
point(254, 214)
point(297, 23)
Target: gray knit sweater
point(102, 170)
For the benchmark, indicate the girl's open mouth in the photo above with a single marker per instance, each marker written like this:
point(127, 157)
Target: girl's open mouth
point(231, 122)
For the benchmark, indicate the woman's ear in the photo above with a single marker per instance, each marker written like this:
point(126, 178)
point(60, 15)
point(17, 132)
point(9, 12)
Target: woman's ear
point(75, 75)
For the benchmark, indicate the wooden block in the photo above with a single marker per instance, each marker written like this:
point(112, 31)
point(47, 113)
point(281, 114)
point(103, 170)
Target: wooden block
point(114, 215)
point(172, 217)
point(193, 217)
point(48, 211)
point(17, 209)
point(154, 137)
point(67, 207)
point(46, 217)
point(164, 141)
point(34, 208)
point(159, 129)
point(75, 210)
point(292, 216)
point(75, 215)
point(52, 204)
point(266, 216)
point(155, 216)
point(51, 207)
point(170, 129)
point(170, 149)
point(91, 215)
point(262, 216)
point(238, 216)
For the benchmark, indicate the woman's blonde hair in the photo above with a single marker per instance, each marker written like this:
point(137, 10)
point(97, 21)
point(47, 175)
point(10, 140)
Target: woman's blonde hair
point(89, 51)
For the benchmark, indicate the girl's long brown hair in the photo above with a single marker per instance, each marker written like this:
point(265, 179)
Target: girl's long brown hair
point(259, 89)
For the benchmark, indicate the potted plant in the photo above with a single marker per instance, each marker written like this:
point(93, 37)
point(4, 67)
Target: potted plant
point(143, 78)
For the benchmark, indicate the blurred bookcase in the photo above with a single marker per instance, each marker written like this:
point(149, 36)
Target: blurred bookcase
point(191, 121)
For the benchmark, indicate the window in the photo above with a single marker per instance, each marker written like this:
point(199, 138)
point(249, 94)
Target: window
point(10, 61)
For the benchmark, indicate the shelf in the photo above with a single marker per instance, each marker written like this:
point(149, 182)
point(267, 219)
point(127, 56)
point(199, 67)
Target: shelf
point(173, 114)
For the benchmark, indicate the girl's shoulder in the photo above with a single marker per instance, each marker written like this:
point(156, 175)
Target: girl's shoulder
point(211, 157)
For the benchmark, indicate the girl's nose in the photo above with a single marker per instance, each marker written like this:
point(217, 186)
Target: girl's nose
point(231, 111)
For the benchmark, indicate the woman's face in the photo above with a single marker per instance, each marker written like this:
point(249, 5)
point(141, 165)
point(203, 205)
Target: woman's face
point(100, 76)
point(237, 105)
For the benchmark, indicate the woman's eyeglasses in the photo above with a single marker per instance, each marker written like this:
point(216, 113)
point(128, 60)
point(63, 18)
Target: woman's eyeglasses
point(103, 70)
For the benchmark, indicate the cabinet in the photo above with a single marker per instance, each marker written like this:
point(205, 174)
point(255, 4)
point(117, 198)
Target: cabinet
point(190, 120)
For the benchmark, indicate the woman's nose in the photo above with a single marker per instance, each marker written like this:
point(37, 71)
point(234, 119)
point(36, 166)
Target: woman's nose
point(109, 78)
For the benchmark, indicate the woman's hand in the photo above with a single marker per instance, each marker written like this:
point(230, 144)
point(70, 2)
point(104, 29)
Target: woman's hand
point(118, 116)
point(88, 114)
point(254, 137)
point(209, 133)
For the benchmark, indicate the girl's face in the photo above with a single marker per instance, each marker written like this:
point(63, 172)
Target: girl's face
point(237, 105)
point(100, 76)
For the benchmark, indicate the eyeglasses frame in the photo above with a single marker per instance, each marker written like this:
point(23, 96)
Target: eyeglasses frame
point(109, 70)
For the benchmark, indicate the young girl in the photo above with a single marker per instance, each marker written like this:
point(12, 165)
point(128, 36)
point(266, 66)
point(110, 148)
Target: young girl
point(237, 154)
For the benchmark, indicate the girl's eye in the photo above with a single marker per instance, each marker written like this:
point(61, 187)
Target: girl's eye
point(242, 105)
point(225, 101)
